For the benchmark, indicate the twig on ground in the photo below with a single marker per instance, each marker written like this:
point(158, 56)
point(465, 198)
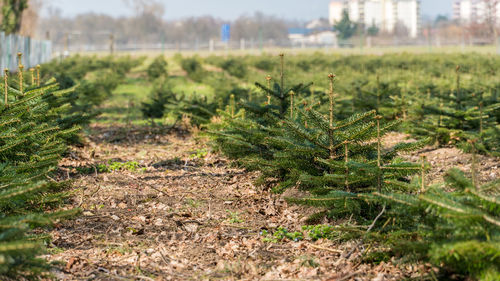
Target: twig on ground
point(164, 258)
point(235, 226)
point(90, 195)
point(325, 249)
point(367, 231)
point(143, 278)
point(148, 185)
point(349, 276)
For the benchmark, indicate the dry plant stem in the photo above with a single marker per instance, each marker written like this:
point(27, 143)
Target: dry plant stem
point(305, 121)
point(474, 164)
point(291, 104)
point(403, 106)
point(32, 72)
point(481, 117)
point(325, 249)
point(440, 120)
point(457, 71)
point(282, 74)
point(232, 106)
point(6, 85)
point(21, 78)
point(332, 102)
point(21, 68)
point(346, 156)
point(19, 59)
point(422, 170)
point(379, 162)
point(268, 78)
point(378, 93)
point(367, 231)
point(38, 75)
point(350, 275)
point(149, 185)
point(331, 77)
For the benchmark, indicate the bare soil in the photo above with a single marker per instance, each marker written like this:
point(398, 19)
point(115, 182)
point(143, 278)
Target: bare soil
point(188, 214)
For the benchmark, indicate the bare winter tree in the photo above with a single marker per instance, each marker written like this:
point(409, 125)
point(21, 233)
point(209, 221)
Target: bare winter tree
point(31, 17)
point(148, 26)
point(490, 19)
point(151, 7)
point(260, 26)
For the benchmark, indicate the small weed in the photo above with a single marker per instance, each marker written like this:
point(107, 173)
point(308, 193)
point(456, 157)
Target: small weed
point(55, 250)
point(193, 203)
point(312, 232)
point(316, 232)
point(96, 207)
point(280, 234)
point(118, 250)
point(134, 231)
point(85, 170)
point(308, 261)
point(198, 154)
point(111, 166)
point(234, 217)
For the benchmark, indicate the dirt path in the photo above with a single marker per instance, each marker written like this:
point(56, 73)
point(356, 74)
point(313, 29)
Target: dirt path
point(182, 213)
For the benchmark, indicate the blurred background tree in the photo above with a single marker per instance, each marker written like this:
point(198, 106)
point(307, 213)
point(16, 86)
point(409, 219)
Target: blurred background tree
point(12, 15)
point(345, 27)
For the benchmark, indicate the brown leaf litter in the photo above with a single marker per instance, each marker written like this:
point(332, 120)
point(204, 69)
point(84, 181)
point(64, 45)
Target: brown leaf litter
point(187, 214)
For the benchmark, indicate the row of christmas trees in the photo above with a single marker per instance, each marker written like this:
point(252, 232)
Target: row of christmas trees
point(430, 104)
point(348, 173)
point(36, 123)
point(427, 92)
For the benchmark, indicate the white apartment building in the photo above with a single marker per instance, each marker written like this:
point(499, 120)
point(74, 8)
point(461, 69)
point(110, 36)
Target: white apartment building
point(336, 10)
point(476, 11)
point(387, 15)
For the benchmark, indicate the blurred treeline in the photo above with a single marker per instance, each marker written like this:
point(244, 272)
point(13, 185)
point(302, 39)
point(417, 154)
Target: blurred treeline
point(149, 26)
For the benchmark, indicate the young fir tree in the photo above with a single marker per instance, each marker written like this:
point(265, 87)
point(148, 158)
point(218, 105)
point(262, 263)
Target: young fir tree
point(160, 96)
point(246, 139)
point(460, 115)
point(378, 96)
point(337, 160)
point(458, 231)
point(60, 102)
point(31, 144)
point(158, 68)
point(340, 160)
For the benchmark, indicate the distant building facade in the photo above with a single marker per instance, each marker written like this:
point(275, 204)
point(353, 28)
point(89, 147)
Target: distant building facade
point(388, 15)
point(476, 11)
point(311, 37)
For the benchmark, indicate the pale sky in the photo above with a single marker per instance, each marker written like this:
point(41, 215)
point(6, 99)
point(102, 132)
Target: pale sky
point(229, 9)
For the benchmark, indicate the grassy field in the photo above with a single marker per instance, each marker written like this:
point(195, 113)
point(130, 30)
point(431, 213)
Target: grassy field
point(487, 49)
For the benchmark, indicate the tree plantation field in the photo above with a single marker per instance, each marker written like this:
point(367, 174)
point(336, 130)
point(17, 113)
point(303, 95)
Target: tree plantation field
point(310, 166)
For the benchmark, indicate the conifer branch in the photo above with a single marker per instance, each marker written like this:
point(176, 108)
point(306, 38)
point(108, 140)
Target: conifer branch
point(484, 197)
point(492, 220)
